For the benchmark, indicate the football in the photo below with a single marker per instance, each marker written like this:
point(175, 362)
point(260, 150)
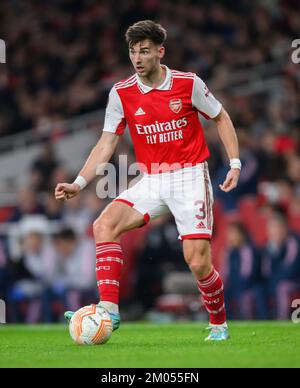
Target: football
point(90, 325)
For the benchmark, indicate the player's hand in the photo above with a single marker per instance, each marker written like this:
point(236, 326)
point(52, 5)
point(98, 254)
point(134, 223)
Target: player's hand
point(231, 180)
point(64, 191)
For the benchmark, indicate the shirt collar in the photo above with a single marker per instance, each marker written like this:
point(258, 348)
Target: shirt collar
point(164, 86)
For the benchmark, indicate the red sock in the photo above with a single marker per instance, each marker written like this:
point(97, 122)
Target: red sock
point(108, 270)
point(212, 291)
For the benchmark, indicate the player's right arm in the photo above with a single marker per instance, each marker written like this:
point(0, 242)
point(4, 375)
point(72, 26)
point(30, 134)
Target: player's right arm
point(100, 155)
point(114, 126)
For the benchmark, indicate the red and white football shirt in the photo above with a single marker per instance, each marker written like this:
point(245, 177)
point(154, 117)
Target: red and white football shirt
point(163, 122)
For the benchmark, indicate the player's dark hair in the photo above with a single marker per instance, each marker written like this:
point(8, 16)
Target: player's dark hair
point(145, 29)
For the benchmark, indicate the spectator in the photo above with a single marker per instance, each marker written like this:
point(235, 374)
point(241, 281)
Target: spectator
point(281, 266)
point(31, 271)
point(3, 271)
point(272, 163)
point(42, 169)
point(64, 61)
point(65, 56)
point(243, 278)
point(161, 255)
point(74, 283)
point(77, 216)
point(53, 208)
point(28, 204)
point(248, 179)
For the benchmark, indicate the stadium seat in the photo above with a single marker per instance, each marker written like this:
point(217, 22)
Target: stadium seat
point(294, 222)
point(254, 219)
point(5, 213)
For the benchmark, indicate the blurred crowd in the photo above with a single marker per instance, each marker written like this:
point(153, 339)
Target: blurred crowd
point(62, 58)
point(47, 252)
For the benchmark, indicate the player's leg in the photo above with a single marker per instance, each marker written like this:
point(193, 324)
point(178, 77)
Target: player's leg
point(197, 254)
point(192, 208)
point(118, 217)
point(115, 219)
point(132, 209)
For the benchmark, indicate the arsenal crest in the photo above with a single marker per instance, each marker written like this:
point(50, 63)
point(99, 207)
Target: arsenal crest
point(175, 105)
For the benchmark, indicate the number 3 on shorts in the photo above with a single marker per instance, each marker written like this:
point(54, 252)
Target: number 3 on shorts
point(202, 212)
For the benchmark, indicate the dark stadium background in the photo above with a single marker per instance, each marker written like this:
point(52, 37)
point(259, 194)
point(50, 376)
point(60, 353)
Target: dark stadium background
point(62, 58)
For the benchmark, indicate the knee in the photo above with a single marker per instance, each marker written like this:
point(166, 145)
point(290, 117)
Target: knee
point(104, 229)
point(198, 259)
point(200, 269)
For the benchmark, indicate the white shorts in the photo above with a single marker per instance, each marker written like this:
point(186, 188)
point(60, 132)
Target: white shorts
point(186, 193)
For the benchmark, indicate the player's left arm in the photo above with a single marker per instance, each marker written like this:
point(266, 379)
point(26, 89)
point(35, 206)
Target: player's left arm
point(211, 108)
point(229, 139)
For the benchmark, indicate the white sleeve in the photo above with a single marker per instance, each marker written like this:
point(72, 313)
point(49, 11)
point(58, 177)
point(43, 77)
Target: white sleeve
point(203, 100)
point(114, 121)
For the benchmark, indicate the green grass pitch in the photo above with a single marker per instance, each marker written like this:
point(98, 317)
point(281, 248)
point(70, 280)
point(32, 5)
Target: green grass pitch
point(252, 344)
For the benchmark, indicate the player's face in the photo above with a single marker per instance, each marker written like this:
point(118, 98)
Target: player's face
point(145, 57)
